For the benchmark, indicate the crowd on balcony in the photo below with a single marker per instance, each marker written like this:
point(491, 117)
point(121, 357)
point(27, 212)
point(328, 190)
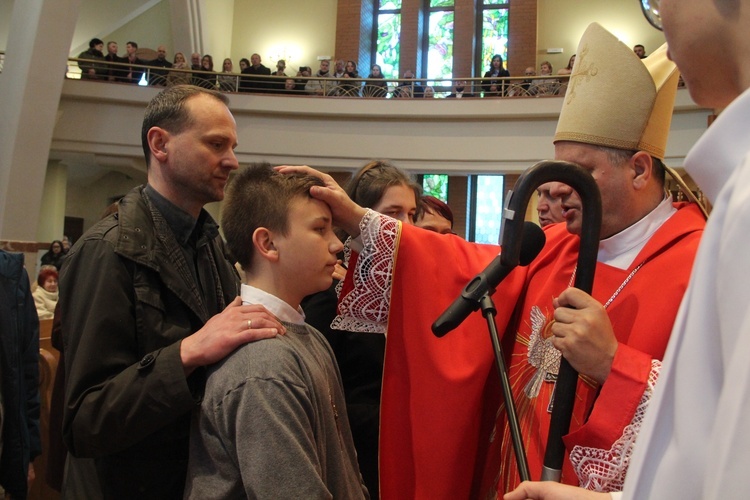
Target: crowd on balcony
point(333, 77)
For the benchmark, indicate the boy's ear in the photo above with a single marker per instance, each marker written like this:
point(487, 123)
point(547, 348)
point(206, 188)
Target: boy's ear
point(263, 243)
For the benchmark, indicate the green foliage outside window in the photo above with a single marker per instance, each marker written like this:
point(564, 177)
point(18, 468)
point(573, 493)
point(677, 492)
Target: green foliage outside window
point(440, 53)
point(389, 36)
point(494, 35)
point(389, 4)
point(436, 185)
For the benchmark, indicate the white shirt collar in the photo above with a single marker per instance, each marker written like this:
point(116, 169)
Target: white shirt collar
point(277, 307)
point(621, 249)
point(720, 149)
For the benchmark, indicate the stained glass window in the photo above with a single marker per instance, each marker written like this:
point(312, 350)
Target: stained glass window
point(492, 33)
point(436, 185)
point(439, 43)
point(388, 37)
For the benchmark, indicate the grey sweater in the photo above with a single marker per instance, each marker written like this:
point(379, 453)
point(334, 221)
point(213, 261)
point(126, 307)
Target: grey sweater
point(273, 424)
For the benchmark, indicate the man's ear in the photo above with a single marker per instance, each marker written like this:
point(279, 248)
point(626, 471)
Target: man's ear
point(643, 166)
point(157, 139)
point(264, 246)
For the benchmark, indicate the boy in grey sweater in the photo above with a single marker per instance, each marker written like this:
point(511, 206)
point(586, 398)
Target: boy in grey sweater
point(273, 420)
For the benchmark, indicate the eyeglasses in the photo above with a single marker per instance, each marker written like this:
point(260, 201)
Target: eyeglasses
point(530, 73)
point(651, 11)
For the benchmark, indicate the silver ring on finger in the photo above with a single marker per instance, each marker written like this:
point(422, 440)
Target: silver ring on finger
point(249, 324)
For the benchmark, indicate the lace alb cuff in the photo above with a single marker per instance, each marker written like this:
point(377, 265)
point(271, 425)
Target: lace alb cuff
point(604, 470)
point(366, 307)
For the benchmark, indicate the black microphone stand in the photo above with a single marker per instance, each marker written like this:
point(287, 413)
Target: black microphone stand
point(488, 311)
point(513, 215)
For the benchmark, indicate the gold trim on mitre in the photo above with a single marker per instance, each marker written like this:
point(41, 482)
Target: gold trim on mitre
point(615, 99)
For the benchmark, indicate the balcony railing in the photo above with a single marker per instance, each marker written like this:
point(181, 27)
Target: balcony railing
point(313, 86)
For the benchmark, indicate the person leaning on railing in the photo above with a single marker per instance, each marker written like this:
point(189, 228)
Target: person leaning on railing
point(92, 61)
point(159, 76)
point(181, 76)
point(135, 68)
point(376, 86)
point(544, 86)
point(493, 83)
point(318, 87)
point(206, 77)
point(227, 79)
point(304, 72)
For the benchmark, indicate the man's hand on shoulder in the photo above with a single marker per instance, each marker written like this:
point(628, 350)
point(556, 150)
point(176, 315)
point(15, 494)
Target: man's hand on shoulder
point(236, 325)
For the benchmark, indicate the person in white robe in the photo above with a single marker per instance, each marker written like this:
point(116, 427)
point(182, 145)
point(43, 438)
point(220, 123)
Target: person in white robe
point(694, 441)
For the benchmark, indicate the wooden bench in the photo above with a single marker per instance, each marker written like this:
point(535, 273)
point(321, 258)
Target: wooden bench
point(48, 360)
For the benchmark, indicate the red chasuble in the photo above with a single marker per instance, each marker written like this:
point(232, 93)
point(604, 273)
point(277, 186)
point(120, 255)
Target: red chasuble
point(443, 427)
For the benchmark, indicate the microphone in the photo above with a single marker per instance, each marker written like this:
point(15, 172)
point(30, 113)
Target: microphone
point(532, 242)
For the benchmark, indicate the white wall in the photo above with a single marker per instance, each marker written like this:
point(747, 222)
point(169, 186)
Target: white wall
point(561, 24)
point(217, 28)
point(150, 29)
point(298, 30)
point(6, 6)
point(100, 18)
point(302, 30)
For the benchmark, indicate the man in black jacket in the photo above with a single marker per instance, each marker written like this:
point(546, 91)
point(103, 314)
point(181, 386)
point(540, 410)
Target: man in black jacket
point(115, 73)
point(159, 76)
point(148, 298)
point(248, 84)
point(132, 73)
point(92, 67)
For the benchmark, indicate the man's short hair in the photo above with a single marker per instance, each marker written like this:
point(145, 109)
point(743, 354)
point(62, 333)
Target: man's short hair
point(167, 110)
point(133, 44)
point(259, 197)
point(619, 156)
point(94, 42)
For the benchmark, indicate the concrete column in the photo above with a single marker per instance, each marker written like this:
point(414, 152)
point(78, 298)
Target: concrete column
point(216, 21)
point(185, 16)
point(52, 211)
point(31, 82)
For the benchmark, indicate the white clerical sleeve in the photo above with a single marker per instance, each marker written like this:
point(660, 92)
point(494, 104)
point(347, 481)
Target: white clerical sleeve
point(364, 303)
point(604, 470)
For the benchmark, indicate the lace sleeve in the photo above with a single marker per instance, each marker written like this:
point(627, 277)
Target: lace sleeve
point(365, 306)
point(604, 470)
